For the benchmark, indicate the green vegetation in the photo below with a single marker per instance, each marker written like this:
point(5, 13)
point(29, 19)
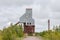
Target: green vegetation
point(11, 33)
point(15, 32)
point(50, 35)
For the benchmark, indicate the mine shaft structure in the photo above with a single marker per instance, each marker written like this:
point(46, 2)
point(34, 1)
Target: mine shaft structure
point(28, 21)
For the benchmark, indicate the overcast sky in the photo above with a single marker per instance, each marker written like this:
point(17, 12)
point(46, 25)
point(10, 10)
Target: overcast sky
point(12, 10)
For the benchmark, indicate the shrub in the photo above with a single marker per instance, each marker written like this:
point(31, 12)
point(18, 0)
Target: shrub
point(11, 33)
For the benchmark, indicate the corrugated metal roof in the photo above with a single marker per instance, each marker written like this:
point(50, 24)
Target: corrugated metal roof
point(27, 17)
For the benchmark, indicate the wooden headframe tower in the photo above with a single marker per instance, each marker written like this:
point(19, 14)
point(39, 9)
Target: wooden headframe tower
point(28, 21)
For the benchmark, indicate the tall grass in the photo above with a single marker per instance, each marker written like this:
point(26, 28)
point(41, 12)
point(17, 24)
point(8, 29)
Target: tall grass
point(11, 33)
point(50, 35)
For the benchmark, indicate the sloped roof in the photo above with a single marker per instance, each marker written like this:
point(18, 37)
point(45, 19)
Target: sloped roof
point(27, 17)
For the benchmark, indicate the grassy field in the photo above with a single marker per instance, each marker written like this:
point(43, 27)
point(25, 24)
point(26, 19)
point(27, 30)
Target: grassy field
point(13, 32)
point(49, 35)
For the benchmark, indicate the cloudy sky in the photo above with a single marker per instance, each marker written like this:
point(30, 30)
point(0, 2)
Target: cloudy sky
point(12, 10)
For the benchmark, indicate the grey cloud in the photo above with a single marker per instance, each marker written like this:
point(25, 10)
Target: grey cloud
point(56, 15)
point(43, 3)
point(42, 13)
point(3, 22)
point(55, 22)
point(16, 2)
point(11, 10)
point(55, 6)
point(43, 22)
point(10, 14)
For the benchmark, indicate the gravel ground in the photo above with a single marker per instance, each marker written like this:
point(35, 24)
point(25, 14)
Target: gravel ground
point(32, 38)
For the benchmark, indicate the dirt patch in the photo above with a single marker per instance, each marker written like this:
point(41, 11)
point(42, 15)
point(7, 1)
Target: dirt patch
point(32, 38)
